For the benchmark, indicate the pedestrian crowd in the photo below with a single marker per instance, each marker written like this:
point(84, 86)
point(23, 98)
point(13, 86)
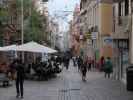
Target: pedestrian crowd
point(20, 71)
point(88, 64)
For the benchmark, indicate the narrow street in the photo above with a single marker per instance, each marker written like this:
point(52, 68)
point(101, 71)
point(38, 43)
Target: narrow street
point(69, 86)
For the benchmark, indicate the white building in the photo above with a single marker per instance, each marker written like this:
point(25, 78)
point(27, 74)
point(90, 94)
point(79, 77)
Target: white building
point(53, 31)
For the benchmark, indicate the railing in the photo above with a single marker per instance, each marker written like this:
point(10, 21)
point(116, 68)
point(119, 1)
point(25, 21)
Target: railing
point(122, 27)
point(123, 23)
point(124, 20)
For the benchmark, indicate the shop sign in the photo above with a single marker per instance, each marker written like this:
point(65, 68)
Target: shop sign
point(108, 40)
point(94, 35)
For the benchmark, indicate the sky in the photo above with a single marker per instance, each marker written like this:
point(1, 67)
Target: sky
point(56, 8)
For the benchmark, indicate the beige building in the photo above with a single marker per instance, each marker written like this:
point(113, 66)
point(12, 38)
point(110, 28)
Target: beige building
point(122, 32)
point(96, 25)
point(108, 26)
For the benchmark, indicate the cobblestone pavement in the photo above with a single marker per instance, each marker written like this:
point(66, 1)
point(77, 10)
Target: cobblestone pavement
point(69, 86)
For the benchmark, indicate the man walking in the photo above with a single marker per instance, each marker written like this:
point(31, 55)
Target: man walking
point(19, 78)
point(83, 70)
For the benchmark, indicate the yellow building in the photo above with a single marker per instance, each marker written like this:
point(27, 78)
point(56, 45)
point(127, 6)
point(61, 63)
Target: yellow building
point(97, 19)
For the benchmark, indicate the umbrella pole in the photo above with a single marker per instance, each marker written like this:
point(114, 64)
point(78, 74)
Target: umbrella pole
point(22, 56)
point(34, 56)
point(16, 55)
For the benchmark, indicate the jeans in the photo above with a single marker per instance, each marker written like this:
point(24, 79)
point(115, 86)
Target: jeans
point(19, 87)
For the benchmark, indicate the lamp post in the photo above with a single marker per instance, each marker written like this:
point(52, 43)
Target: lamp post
point(22, 22)
point(22, 26)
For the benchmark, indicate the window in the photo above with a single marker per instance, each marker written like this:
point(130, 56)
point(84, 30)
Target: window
point(132, 5)
point(114, 19)
point(126, 7)
point(113, 11)
point(119, 9)
point(123, 9)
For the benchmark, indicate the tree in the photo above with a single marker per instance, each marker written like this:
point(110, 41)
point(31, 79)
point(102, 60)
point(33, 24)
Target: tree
point(33, 22)
point(3, 19)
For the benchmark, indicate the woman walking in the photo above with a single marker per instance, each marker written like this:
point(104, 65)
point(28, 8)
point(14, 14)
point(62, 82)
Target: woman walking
point(108, 67)
point(19, 78)
point(101, 64)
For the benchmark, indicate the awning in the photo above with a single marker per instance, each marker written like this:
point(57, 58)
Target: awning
point(8, 48)
point(35, 47)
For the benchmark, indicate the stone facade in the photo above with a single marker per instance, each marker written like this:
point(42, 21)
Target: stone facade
point(74, 32)
point(122, 23)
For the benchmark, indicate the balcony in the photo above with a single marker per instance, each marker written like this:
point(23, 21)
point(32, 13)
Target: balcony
point(122, 27)
point(124, 23)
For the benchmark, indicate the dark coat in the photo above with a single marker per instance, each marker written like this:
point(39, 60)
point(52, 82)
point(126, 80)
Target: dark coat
point(20, 71)
point(108, 66)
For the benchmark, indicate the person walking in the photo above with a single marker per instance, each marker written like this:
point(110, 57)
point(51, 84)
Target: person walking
point(88, 63)
point(108, 67)
point(83, 71)
point(101, 64)
point(66, 62)
point(79, 62)
point(19, 78)
point(74, 61)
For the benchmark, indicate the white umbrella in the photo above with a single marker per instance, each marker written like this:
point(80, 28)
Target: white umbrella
point(8, 48)
point(35, 47)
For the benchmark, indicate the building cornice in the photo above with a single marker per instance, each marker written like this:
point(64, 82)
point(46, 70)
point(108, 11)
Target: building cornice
point(118, 0)
point(106, 1)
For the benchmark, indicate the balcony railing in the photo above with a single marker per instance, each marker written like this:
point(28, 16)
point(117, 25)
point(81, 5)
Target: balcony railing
point(124, 22)
point(122, 27)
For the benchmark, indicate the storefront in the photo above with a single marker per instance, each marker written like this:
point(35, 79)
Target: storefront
point(121, 56)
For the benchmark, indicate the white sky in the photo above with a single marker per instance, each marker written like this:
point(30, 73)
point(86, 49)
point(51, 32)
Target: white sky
point(56, 8)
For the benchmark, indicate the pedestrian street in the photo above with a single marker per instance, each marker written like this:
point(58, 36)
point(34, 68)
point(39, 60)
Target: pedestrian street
point(68, 85)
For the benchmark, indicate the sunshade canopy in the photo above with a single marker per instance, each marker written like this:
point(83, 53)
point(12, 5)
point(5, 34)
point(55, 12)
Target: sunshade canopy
point(8, 48)
point(35, 47)
point(29, 47)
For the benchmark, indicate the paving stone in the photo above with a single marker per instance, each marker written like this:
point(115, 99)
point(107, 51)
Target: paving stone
point(69, 86)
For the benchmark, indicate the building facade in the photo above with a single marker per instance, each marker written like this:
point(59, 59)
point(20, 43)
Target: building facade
point(107, 26)
point(96, 26)
point(122, 32)
point(54, 31)
point(74, 32)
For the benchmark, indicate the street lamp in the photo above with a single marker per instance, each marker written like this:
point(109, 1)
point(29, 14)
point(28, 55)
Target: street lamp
point(22, 26)
point(22, 22)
